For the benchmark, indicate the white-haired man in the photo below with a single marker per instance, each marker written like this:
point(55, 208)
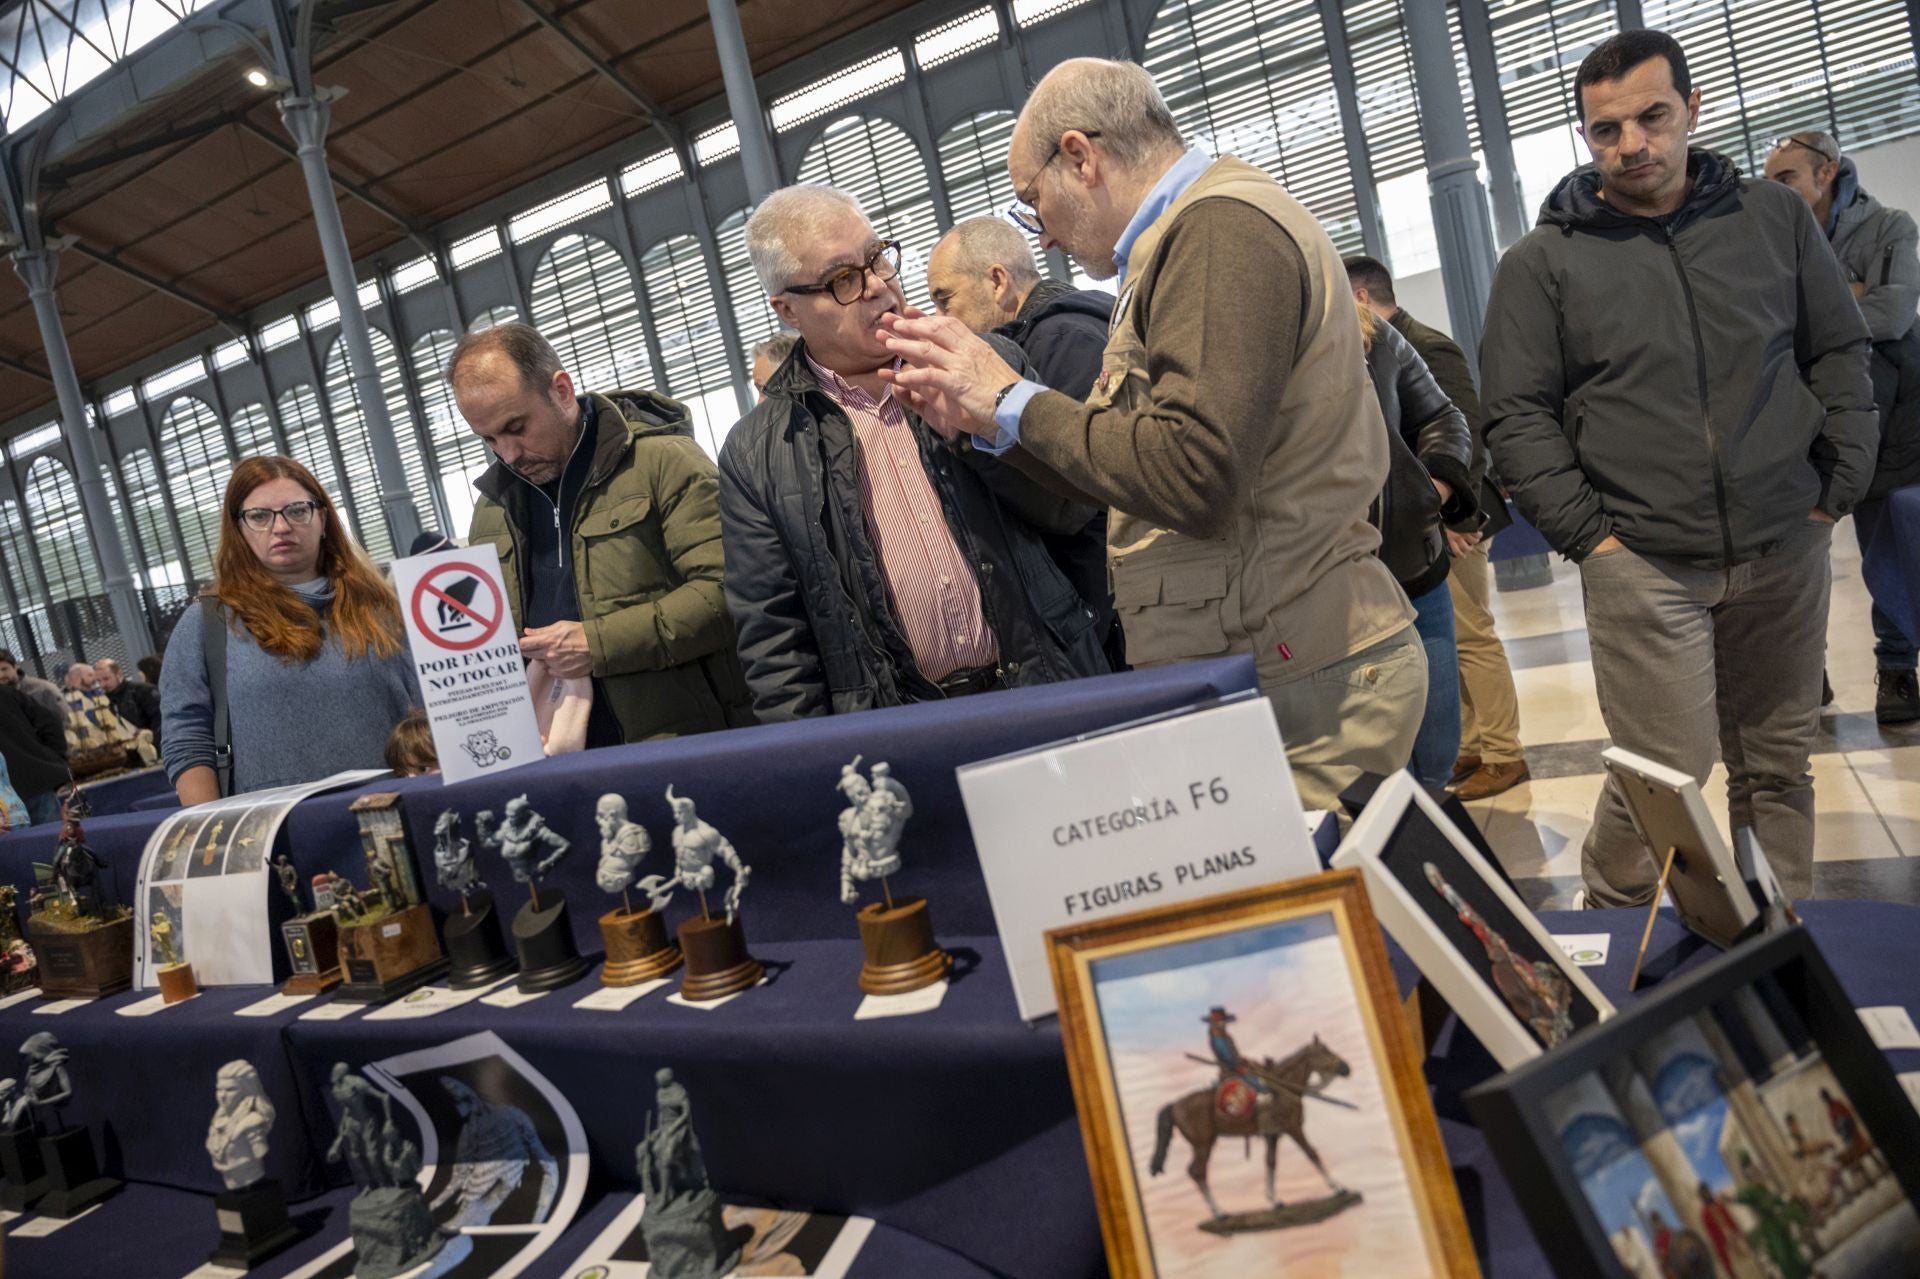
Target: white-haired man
point(868, 563)
point(982, 274)
point(1239, 447)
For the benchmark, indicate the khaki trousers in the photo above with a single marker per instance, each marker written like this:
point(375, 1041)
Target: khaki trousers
point(1356, 716)
point(1489, 706)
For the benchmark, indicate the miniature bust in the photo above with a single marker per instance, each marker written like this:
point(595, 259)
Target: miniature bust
point(696, 846)
point(871, 827)
point(622, 844)
point(520, 838)
point(14, 1104)
point(453, 863)
point(48, 1084)
point(289, 882)
point(242, 1118)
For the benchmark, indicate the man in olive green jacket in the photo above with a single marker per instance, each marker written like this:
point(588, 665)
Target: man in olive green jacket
point(605, 514)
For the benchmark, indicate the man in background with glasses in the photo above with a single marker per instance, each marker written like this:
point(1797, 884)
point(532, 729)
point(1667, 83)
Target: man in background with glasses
point(1232, 431)
point(869, 563)
point(1876, 246)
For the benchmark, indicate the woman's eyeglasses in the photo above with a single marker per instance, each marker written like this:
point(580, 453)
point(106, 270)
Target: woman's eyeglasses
point(296, 514)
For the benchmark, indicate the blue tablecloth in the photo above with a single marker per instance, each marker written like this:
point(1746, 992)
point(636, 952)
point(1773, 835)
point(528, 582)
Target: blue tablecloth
point(146, 789)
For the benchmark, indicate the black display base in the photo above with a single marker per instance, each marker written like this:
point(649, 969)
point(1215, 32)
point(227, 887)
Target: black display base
point(253, 1225)
point(544, 937)
point(479, 954)
point(74, 1180)
point(382, 992)
point(24, 1170)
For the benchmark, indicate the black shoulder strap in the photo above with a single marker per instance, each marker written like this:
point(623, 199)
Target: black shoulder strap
point(213, 649)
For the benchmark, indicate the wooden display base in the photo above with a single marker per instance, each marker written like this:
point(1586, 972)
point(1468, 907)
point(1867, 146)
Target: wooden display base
point(74, 1182)
point(313, 950)
point(717, 959)
point(25, 1172)
point(83, 965)
point(253, 1225)
point(176, 983)
point(637, 948)
point(901, 952)
point(390, 956)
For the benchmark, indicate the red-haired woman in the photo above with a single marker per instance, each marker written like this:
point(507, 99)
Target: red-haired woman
point(317, 672)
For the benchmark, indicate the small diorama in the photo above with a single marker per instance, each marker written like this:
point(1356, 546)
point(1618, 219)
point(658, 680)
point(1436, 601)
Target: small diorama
point(897, 933)
point(478, 953)
point(681, 1218)
point(252, 1211)
point(171, 970)
point(542, 931)
point(391, 1223)
point(636, 940)
point(81, 936)
point(19, 969)
point(387, 941)
point(312, 936)
point(49, 1165)
point(715, 947)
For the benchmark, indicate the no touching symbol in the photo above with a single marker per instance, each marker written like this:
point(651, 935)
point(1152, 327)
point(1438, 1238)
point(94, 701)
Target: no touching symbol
point(467, 608)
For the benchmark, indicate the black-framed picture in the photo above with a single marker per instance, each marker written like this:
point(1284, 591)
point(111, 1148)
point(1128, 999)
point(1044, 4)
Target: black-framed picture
point(1739, 1123)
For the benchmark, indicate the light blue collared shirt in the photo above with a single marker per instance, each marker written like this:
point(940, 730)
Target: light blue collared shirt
point(1171, 186)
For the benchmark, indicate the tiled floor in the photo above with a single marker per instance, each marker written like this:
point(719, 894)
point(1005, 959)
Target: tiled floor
point(1866, 778)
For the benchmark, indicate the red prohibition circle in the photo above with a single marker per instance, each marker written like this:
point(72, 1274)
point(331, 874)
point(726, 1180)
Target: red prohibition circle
point(425, 587)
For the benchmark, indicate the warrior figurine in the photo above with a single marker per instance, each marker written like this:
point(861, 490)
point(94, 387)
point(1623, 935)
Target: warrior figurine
point(1538, 992)
point(48, 1084)
point(242, 1118)
point(498, 1147)
point(871, 827)
point(76, 868)
point(622, 844)
point(364, 1112)
point(289, 882)
point(453, 863)
point(696, 846)
point(683, 1222)
point(1227, 1053)
point(519, 839)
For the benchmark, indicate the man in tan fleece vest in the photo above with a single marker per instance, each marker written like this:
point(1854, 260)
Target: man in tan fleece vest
point(1232, 432)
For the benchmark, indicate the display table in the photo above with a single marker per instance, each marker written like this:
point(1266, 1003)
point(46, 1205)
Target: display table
point(125, 793)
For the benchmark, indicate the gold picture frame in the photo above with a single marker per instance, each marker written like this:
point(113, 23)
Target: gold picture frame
point(1142, 996)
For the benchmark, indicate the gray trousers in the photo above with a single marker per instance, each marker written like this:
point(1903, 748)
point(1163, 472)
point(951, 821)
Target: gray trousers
point(1685, 659)
point(1359, 715)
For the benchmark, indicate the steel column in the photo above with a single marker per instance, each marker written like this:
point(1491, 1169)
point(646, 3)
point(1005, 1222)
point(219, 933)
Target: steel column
point(723, 302)
point(1366, 200)
point(166, 488)
point(410, 387)
point(1476, 31)
point(736, 70)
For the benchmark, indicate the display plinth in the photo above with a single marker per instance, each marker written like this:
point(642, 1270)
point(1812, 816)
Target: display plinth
point(74, 1180)
point(637, 948)
point(717, 959)
point(253, 1225)
point(393, 1231)
point(544, 937)
point(901, 952)
point(389, 956)
point(176, 983)
point(24, 1171)
point(83, 965)
point(313, 948)
point(479, 954)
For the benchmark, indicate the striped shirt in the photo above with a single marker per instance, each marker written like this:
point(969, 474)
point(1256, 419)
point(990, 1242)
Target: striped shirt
point(935, 596)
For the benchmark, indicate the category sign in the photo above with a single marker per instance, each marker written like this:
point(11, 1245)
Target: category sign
point(1164, 811)
point(473, 681)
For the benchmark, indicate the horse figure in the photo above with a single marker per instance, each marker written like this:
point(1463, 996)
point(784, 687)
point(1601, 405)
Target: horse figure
point(1200, 1122)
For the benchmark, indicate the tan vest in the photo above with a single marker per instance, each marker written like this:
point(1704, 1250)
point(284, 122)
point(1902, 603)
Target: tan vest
point(1297, 582)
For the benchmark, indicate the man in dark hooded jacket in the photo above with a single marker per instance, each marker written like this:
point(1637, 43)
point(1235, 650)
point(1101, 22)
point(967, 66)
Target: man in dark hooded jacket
point(983, 275)
point(1876, 245)
point(1676, 392)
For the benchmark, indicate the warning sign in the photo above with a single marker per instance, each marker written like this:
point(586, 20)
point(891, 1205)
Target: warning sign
point(473, 680)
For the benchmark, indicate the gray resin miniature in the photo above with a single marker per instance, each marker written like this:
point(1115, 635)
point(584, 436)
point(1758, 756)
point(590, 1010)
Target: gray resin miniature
point(623, 844)
point(453, 864)
point(393, 1229)
point(520, 838)
point(681, 1219)
point(696, 846)
point(48, 1084)
point(289, 882)
point(871, 826)
point(14, 1104)
point(242, 1118)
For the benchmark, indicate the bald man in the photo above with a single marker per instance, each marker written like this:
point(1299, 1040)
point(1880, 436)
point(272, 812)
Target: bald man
point(982, 274)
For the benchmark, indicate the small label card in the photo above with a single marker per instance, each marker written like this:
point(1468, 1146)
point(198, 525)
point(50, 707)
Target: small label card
point(59, 1006)
point(429, 1001)
point(511, 997)
point(41, 1227)
point(1911, 1082)
point(272, 1006)
point(1891, 1027)
point(611, 999)
point(332, 1010)
point(20, 997)
point(208, 1270)
point(924, 1000)
point(150, 1005)
point(1587, 950)
point(708, 1005)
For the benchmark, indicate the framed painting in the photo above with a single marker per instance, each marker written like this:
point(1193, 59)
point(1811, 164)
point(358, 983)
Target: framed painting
point(1270, 1015)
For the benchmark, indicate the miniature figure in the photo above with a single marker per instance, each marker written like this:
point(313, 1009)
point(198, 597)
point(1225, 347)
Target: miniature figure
point(242, 1118)
point(160, 926)
point(73, 1174)
point(548, 956)
point(498, 1145)
point(453, 863)
point(636, 941)
point(76, 868)
point(48, 1084)
point(19, 970)
point(622, 844)
point(289, 882)
point(696, 845)
point(393, 1229)
point(82, 938)
point(897, 936)
point(388, 945)
point(1538, 992)
point(15, 1105)
point(520, 837)
point(681, 1220)
point(473, 939)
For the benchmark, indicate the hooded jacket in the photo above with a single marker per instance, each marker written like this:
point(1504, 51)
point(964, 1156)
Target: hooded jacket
point(644, 545)
point(817, 630)
point(1694, 385)
point(1429, 440)
point(1876, 245)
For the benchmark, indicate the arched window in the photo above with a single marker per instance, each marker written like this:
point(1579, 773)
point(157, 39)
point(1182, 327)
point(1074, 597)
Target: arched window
point(253, 431)
point(15, 556)
point(307, 437)
point(193, 452)
point(582, 301)
point(1253, 77)
point(60, 531)
point(492, 316)
point(753, 317)
point(877, 162)
point(973, 163)
point(142, 483)
point(356, 447)
point(457, 452)
point(687, 323)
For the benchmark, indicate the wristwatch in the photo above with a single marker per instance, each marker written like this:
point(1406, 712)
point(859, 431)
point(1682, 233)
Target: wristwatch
point(1003, 393)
